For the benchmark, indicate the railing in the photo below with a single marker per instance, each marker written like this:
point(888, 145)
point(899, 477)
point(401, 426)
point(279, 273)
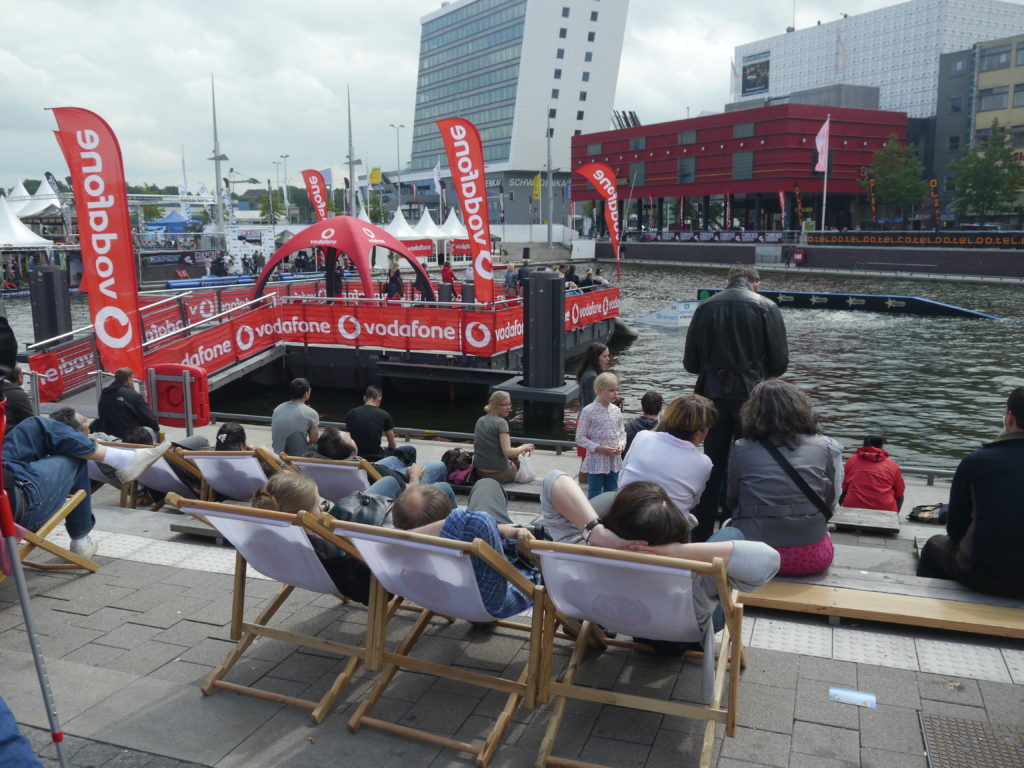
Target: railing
point(929, 474)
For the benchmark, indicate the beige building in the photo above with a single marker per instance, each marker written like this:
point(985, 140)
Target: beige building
point(999, 89)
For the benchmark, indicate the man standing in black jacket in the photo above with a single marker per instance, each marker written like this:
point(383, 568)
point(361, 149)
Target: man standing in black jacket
point(122, 408)
point(736, 339)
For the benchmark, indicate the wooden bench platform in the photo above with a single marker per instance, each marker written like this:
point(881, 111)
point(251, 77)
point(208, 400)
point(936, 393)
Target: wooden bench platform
point(894, 599)
point(873, 520)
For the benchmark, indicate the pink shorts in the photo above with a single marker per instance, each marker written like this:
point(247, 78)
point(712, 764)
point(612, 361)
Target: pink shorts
point(806, 560)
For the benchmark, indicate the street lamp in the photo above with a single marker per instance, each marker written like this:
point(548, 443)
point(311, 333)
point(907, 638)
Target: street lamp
point(398, 167)
point(285, 159)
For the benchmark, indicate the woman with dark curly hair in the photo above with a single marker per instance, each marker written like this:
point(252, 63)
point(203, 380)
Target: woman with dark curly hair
point(765, 501)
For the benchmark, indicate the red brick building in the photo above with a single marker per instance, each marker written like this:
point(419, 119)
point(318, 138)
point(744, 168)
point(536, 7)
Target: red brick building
point(739, 161)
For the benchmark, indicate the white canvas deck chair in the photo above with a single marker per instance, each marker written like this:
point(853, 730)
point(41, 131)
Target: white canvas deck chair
point(233, 475)
point(638, 595)
point(160, 477)
point(336, 479)
point(276, 545)
point(437, 574)
point(32, 540)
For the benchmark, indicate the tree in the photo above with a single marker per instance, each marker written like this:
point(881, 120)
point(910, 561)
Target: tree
point(897, 170)
point(988, 178)
point(375, 207)
point(278, 206)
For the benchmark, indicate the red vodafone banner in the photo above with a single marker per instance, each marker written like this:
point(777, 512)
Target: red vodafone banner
point(51, 382)
point(421, 249)
point(466, 162)
point(603, 179)
point(587, 308)
point(105, 234)
point(317, 191)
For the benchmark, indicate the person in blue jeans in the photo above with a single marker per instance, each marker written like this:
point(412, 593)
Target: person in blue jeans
point(45, 461)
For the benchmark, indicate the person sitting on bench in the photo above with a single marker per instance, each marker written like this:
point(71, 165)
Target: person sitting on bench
point(871, 479)
point(984, 525)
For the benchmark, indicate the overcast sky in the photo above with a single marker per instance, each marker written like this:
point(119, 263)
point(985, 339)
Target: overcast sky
point(281, 71)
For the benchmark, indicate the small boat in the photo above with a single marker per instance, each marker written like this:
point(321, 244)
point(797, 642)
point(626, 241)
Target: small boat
point(675, 315)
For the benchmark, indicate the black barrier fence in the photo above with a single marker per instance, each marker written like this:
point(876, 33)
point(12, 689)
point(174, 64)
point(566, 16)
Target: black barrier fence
point(957, 239)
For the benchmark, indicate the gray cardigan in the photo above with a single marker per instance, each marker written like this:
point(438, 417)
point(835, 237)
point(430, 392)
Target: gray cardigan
point(766, 505)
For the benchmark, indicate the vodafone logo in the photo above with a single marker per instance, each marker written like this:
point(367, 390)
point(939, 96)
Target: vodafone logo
point(51, 375)
point(482, 265)
point(205, 308)
point(372, 236)
point(327, 234)
point(349, 328)
point(244, 337)
point(477, 334)
point(368, 232)
point(103, 333)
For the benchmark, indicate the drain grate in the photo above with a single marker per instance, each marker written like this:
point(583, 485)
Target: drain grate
point(952, 743)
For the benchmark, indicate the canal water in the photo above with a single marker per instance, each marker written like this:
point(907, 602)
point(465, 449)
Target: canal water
point(935, 387)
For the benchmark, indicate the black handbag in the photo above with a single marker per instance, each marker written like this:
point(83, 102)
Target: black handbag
point(790, 470)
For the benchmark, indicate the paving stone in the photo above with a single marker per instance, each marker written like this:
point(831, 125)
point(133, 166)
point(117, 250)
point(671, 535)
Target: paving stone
point(956, 690)
point(626, 724)
point(95, 655)
point(187, 633)
point(145, 657)
point(896, 729)
point(647, 680)
point(97, 754)
point(572, 733)
point(771, 668)
point(826, 741)
point(171, 611)
point(127, 636)
point(438, 713)
point(758, 747)
point(622, 754)
point(143, 598)
point(186, 673)
point(800, 760)
point(958, 711)
point(896, 687)
point(1003, 702)
point(212, 651)
point(602, 670)
point(671, 750)
point(880, 758)
point(842, 673)
point(766, 708)
point(813, 706)
point(306, 668)
point(728, 762)
point(490, 653)
point(105, 619)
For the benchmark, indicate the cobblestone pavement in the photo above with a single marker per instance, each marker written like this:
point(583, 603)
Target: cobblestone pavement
point(127, 647)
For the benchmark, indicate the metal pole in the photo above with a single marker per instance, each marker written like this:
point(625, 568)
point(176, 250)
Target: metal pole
point(287, 205)
point(34, 388)
point(551, 188)
point(217, 157)
point(398, 158)
point(187, 389)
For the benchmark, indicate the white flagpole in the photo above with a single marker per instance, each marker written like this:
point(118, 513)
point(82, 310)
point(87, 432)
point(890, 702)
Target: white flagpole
point(824, 186)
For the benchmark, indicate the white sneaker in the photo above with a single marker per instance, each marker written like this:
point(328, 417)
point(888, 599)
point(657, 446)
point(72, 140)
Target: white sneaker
point(144, 459)
point(86, 550)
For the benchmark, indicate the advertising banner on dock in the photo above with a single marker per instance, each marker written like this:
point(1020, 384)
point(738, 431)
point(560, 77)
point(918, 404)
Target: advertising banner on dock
point(64, 368)
point(108, 259)
point(316, 189)
point(466, 163)
point(603, 180)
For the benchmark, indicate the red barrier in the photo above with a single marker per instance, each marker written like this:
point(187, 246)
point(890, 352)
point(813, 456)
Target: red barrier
point(161, 320)
point(594, 306)
point(65, 368)
point(170, 395)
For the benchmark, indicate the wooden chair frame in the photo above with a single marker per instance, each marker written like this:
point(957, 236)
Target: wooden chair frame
point(32, 540)
point(733, 654)
point(372, 474)
point(521, 690)
point(260, 452)
point(245, 632)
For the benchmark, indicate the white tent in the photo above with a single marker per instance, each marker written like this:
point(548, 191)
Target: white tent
point(427, 228)
point(43, 200)
point(363, 215)
point(400, 228)
point(14, 234)
point(19, 200)
point(453, 228)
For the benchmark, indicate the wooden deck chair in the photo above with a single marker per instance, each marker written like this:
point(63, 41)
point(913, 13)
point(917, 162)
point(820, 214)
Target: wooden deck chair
point(277, 546)
point(437, 574)
point(233, 475)
point(163, 477)
point(638, 595)
point(336, 479)
point(32, 540)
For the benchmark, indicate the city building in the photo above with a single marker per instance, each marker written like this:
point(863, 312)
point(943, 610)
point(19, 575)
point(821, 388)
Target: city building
point(894, 49)
point(524, 72)
point(738, 168)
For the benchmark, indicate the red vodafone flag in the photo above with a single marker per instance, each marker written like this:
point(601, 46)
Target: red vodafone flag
point(317, 191)
point(603, 179)
point(105, 234)
point(466, 161)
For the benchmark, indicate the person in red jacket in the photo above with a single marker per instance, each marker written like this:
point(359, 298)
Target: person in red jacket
point(871, 480)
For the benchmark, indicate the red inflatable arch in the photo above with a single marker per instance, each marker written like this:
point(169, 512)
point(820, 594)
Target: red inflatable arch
point(352, 236)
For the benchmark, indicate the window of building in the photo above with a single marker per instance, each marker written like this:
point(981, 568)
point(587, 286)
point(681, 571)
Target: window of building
point(588, 56)
point(994, 58)
point(1017, 136)
point(565, 12)
point(579, 114)
point(949, 184)
point(688, 137)
point(594, 149)
point(552, 113)
point(554, 93)
point(1018, 95)
point(959, 66)
point(956, 104)
point(558, 74)
point(1020, 55)
point(953, 143)
point(593, 15)
point(586, 77)
point(563, 32)
point(560, 53)
point(577, 132)
point(637, 174)
point(993, 98)
point(637, 143)
point(583, 95)
point(981, 137)
point(591, 36)
point(742, 165)
point(743, 130)
point(687, 170)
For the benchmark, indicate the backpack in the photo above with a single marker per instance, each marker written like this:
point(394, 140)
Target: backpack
point(459, 464)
